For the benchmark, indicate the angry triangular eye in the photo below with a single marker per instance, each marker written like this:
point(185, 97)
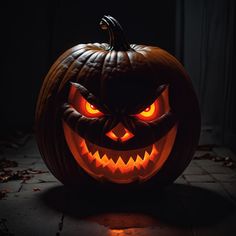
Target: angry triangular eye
point(83, 106)
point(150, 113)
point(159, 107)
point(89, 110)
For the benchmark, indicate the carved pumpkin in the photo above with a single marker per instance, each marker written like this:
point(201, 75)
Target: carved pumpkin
point(117, 113)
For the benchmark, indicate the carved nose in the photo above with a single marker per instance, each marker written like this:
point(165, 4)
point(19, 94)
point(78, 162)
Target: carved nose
point(119, 133)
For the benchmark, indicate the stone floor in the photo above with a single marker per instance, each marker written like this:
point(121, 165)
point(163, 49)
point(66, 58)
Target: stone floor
point(202, 201)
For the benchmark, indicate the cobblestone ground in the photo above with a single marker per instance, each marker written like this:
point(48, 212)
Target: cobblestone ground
point(202, 201)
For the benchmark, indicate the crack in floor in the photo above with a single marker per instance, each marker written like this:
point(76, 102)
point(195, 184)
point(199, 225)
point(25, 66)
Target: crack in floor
point(60, 225)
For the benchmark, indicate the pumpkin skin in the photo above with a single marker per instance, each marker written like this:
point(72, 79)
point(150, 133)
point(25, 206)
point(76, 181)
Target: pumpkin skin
point(117, 83)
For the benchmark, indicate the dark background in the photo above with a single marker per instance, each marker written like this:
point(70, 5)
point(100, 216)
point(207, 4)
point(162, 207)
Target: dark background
point(201, 34)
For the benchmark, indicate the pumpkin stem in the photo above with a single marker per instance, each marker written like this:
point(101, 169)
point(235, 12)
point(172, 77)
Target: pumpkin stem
point(116, 34)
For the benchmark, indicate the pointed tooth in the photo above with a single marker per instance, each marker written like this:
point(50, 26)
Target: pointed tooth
point(139, 159)
point(84, 150)
point(98, 162)
point(99, 155)
point(154, 149)
point(131, 162)
point(102, 152)
point(97, 158)
point(105, 160)
point(138, 162)
point(90, 156)
point(130, 165)
point(146, 160)
point(111, 165)
point(146, 156)
point(96, 155)
point(154, 153)
point(82, 144)
point(116, 161)
point(120, 164)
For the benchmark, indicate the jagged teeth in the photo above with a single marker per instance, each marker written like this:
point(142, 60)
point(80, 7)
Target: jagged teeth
point(136, 162)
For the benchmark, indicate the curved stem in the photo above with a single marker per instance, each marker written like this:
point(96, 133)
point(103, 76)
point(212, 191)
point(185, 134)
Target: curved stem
point(117, 38)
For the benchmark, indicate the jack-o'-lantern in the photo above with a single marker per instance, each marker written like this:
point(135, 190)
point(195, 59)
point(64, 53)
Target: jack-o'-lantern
point(118, 113)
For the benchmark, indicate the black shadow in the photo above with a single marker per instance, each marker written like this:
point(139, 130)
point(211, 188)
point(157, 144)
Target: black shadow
point(177, 205)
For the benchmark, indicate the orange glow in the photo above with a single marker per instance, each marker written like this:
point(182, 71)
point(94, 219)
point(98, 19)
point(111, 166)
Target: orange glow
point(92, 110)
point(111, 135)
point(149, 113)
point(120, 166)
point(87, 109)
point(128, 135)
point(156, 109)
point(137, 161)
point(77, 101)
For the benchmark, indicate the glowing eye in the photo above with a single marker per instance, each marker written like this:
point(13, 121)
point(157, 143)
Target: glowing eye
point(80, 104)
point(91, 110)
point(149, 113)
point(85, 108)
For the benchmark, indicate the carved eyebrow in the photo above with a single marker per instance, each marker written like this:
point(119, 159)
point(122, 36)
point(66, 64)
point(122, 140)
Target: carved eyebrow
point(157, 94)
point(84, 92)
point(88, 96)
point(160, 89)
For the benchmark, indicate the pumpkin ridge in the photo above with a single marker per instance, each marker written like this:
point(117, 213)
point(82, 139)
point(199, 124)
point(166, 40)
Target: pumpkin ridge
point(109, 65)
point(47, 85)
point(94, 71)
point(48, 81)
point(68, 75)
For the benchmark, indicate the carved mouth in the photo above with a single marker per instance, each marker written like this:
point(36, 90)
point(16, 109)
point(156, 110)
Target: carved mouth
point(119, 161)
point(120, 166)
